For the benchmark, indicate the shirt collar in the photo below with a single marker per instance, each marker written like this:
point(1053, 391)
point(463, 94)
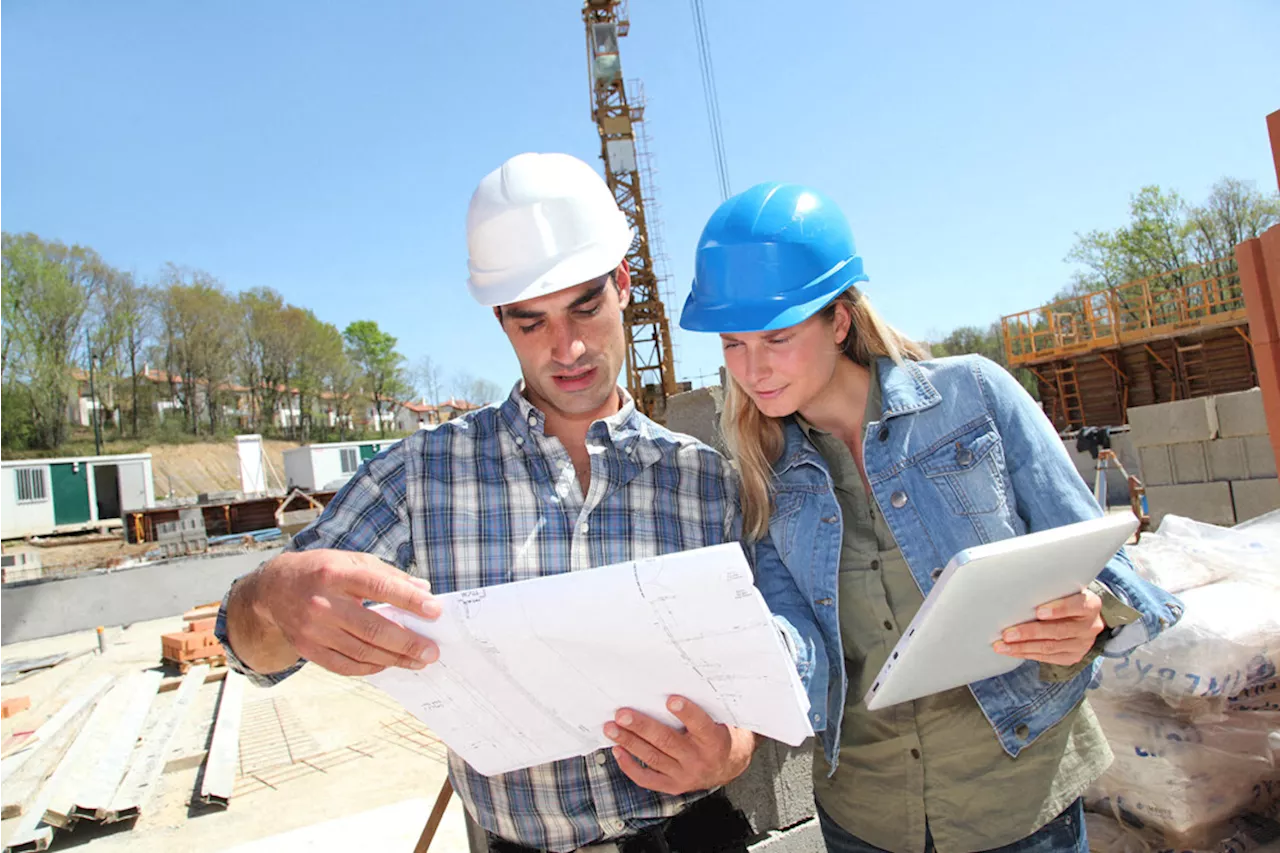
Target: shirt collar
point(523, 418)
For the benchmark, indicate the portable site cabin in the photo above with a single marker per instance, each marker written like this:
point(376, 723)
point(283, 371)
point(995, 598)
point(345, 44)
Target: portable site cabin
point(41, 496)
point(328, 466)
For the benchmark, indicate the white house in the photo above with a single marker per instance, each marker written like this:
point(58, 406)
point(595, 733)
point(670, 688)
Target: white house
point(327, 466)
point(41, 496)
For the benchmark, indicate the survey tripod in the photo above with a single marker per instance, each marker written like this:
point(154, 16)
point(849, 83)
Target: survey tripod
point(1097, 441)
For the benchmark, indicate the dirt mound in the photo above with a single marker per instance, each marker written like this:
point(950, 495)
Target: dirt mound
point(186, 470)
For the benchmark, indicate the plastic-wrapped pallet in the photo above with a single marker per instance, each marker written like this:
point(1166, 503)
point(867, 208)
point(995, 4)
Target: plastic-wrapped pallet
point(1247, 834)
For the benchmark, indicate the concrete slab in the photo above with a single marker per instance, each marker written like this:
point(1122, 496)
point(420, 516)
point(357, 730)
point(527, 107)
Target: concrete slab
point(1255, 497)
point(1207, 502)
point(1157, 465)
point(1189, 462)
point(52, 607)
point(1226, 459)
point(777, 789)
point(1241, 414)
point(1260, 457)
point(803, 838)
point(1175, 422)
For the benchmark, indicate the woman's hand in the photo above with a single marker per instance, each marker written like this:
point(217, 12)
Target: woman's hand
point(1063, 633)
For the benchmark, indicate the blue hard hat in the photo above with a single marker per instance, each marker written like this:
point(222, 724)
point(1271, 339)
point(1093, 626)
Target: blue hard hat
point(769, 258)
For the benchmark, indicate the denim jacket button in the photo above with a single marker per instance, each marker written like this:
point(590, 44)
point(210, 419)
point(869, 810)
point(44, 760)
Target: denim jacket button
point(883, 434)
point(830, 519)
point(823, 601)
point(935, 574)
point(898, 499)
point(1022, 731)
point(964, 457)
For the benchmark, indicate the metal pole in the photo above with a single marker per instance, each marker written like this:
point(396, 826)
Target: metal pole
point(93, 397)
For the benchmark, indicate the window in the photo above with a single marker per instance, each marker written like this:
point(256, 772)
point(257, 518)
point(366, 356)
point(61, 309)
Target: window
point(350, 460)
point(31, 485)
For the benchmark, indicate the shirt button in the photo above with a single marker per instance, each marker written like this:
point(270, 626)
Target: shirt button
point(898, 499)
point(875, 565)
point(584, 527)
point(964, 457)
point(519, 441)
point(601, 758)
point(533, 419)
point(888, 626)
point(883, 434)
point(915, 753)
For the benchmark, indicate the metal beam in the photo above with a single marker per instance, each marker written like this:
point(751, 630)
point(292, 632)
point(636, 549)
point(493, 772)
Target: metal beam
point(224, 752)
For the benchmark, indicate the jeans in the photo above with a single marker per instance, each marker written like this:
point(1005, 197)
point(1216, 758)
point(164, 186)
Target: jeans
point(1064, 834)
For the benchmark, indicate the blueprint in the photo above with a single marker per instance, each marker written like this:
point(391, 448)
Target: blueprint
point(530, 672)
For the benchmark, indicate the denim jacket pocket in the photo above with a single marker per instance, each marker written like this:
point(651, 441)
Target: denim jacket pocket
point(967, 471)
point(785, 519)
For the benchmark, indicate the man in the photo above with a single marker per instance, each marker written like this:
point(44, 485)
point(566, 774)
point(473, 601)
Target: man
point(564, 475)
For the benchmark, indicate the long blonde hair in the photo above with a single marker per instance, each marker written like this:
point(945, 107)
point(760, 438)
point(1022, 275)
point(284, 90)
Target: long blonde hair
point(755, 439)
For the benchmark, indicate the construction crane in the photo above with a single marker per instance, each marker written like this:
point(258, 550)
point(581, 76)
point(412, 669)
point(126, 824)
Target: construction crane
point(651, 375)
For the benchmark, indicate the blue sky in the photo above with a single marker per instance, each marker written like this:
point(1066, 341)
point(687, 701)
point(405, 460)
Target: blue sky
point(328, 150)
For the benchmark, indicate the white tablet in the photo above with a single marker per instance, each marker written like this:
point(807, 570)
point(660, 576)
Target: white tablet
point(984, 591)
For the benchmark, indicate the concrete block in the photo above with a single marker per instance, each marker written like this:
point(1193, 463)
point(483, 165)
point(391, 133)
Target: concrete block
point(1190, 462)
point(777, 789)
point(1117, 485)
point(1241, 414)
point(1226, 459)
point(697, 413)
point(1253, 498)
point(1207, 502)
point(1156, 468)
point(802, 838)
point(1173, 423)
point(1259, 456)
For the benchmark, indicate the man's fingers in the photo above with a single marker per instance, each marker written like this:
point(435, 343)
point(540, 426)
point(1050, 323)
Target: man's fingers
point(696, 720)
point(340, 663)
point(661, 736)
point(656, 760)
point(367, 577)
point(643, 776)
point(1078, 606)
point(381, 632)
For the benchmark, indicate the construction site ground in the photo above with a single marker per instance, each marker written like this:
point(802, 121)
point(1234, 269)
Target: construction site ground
point(326, 762)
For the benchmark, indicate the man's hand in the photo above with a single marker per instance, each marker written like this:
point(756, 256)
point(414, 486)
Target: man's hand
point(310, 604)
point(1063, 633)
point(705, 755)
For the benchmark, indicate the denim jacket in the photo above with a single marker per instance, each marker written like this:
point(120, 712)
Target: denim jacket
point(960, 456)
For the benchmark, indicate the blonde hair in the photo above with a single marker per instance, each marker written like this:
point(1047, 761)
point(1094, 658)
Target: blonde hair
point(755, 439)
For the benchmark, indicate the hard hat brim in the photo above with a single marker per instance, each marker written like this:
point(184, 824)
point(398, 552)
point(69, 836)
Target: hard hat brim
point(580, 266)
point(762, 316)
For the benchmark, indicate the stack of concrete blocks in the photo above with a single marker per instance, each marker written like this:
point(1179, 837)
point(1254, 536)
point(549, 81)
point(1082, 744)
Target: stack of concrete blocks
point(185, 536)
point(1207, 458)
point(21, 566)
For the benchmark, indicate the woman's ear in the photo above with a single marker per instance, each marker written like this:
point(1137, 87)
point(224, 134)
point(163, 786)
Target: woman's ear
point(842, 325)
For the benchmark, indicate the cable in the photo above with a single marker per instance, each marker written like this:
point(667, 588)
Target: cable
point(710, 96)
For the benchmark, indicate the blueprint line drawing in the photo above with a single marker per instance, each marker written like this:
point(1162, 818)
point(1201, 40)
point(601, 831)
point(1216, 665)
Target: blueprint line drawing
point(529, 672)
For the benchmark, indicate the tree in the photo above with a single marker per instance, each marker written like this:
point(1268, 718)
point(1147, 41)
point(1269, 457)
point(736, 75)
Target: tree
point(199, 332)
point(374, 354)
point(1234, 212)
point(484, 391)
point(427, 380)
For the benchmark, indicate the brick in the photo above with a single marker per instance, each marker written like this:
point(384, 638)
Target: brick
point(1174, 423)
point(1190, 464)
point(1207, 502)
point(1156, 467)
point(1241, 414)
point(1259, 456)
point(1253, 498)
point(210, 624)
point(1226, 459)
point(14, 705)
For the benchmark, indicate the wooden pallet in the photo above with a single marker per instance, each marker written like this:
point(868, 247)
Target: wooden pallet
point(183, 666)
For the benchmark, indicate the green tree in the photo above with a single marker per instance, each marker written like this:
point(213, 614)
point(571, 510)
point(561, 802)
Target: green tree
point(374, 354)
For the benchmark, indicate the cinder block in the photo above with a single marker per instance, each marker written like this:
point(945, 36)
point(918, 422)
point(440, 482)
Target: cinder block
point(1241, 414)
point(777, 789)
point(1207, 502)
point(1190, 464)
point(1156, 468)
point(1259, 456)
point(1253, 498)
point(1173, 423)
point(697, 413)
point(14, 705)
point(1226, 459)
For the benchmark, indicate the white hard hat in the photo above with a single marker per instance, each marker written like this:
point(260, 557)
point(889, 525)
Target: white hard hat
point(541, 223)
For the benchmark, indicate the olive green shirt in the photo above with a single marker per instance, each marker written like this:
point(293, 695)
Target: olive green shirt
point(937, 759)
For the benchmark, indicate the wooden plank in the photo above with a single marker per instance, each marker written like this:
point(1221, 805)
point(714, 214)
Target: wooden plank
point(20, 789)
point(46, 732)
point(148, 761)
point(224, 751)
point(174, 683)
point(32, 831)
point(92, 797)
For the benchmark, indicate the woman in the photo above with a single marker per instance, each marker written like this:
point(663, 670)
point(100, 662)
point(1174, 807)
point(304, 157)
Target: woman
point(865, 465)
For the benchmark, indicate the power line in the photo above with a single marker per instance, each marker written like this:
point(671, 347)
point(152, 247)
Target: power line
point(710, 95)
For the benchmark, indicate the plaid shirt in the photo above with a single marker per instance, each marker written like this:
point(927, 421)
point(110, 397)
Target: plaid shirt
point(488, 499)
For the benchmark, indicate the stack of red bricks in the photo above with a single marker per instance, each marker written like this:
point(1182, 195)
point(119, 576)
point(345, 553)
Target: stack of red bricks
point(197, 642)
